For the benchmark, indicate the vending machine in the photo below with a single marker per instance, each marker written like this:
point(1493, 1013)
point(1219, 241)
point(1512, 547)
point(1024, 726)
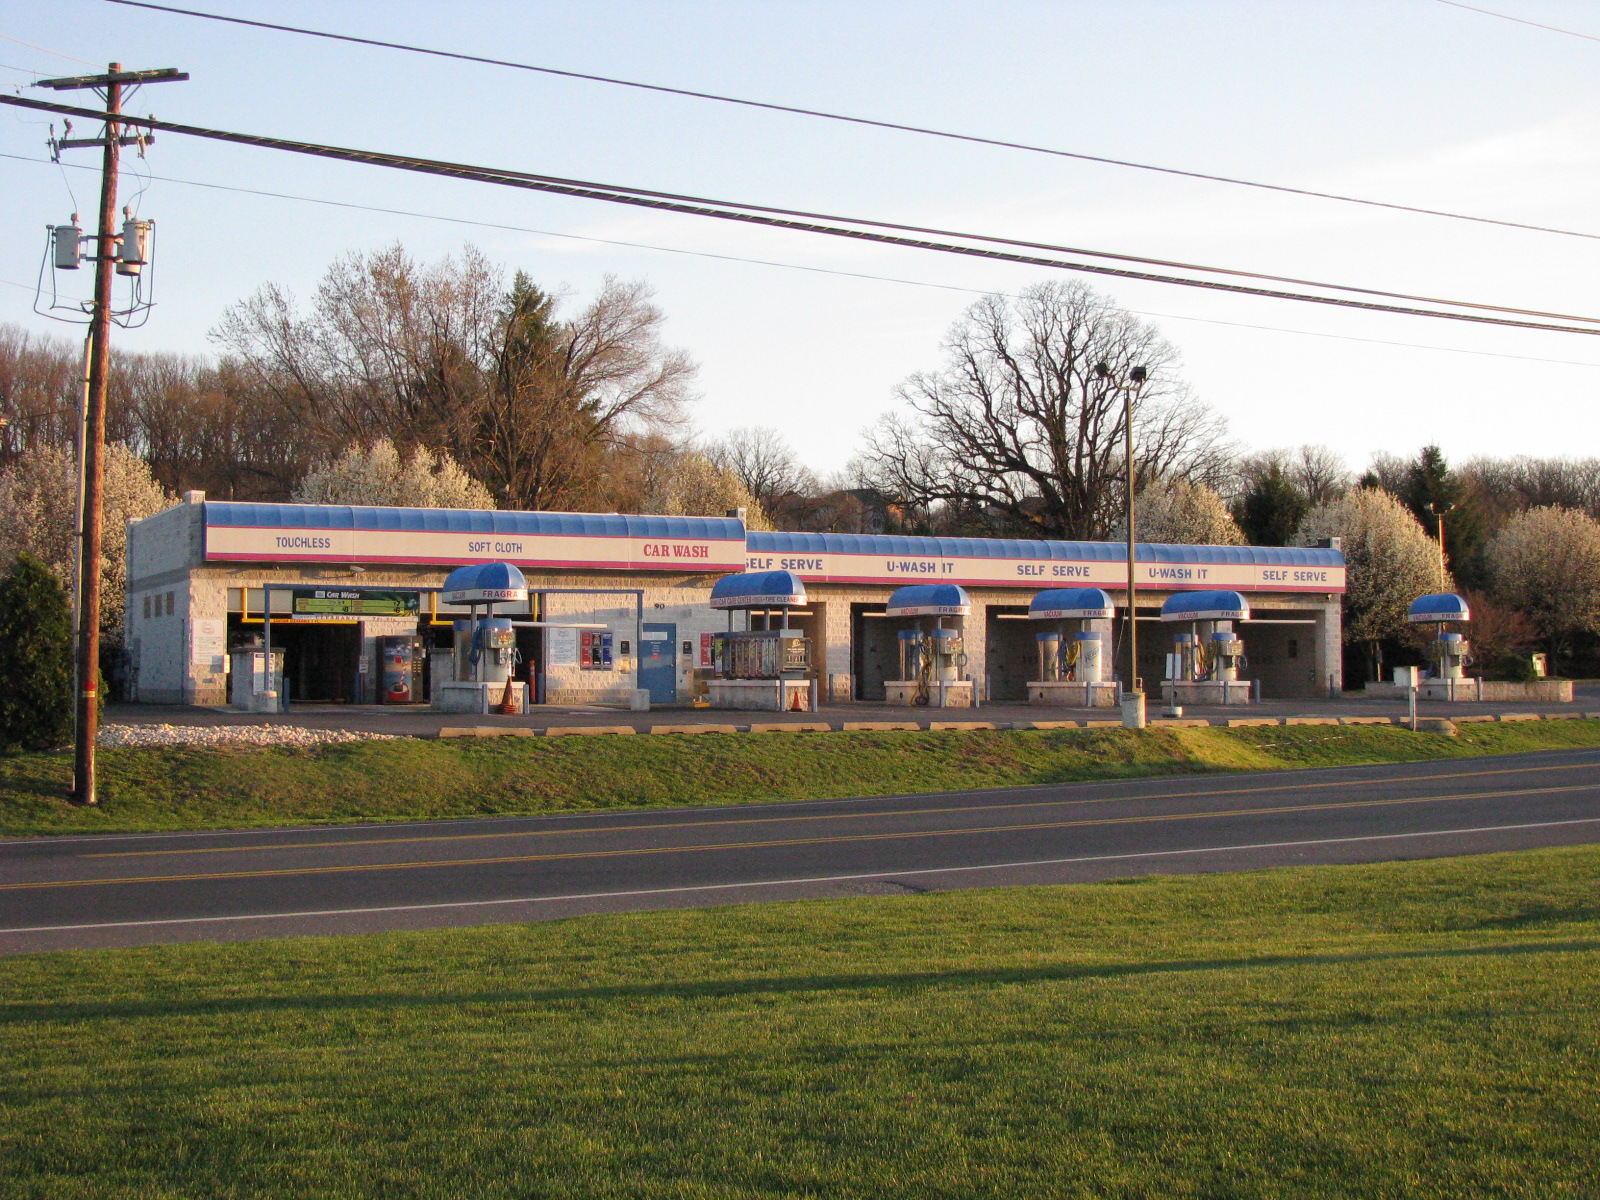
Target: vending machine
point(401, 661)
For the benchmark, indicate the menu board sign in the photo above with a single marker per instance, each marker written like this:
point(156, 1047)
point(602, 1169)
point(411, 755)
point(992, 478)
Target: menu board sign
point(350, 604)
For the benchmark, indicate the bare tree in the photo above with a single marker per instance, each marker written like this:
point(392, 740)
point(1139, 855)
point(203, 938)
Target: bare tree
point(1017, 432)
point(389, 348)
point(659, 475)
point(1503, 487)
point(765, 463)
point(444, 355)
point(40, 382)
point(1316, 472)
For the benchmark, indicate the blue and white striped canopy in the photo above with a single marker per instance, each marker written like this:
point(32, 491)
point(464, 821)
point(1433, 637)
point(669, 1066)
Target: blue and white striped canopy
point(1441, 606)
point(759, 589)
point(1206, 606)
point(930, 600)
point(485, 583)
point(1069, 603)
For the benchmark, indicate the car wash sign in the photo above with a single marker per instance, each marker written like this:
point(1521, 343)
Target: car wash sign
point(347, 604)
point(998, 562)
point(316, 533)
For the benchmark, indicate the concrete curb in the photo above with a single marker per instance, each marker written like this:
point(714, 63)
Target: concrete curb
point(467, 731)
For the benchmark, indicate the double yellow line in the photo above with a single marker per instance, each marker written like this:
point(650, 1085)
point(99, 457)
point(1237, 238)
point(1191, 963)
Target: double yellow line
point(786, 819)
point(821, 841)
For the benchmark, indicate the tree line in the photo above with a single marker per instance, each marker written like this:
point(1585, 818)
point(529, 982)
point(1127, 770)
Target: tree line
point(458, 384)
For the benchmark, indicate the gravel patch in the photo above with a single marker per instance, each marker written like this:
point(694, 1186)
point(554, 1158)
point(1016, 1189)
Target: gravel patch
point(230, 735)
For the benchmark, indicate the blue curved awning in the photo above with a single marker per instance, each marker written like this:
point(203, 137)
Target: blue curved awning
point(1206, 606)
point(758, 589)
point(485, 583)
point(930, 600)
point(1441, 606)
point(1067, 603)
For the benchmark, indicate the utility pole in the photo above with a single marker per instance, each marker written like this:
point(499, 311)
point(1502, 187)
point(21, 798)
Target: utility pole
point(91, 449)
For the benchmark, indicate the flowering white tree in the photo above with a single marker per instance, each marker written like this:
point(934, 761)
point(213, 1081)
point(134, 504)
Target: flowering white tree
point(1179, 513)
point(1389, 562)
point(379, 475)
point(1545, 562)
point(38, 514)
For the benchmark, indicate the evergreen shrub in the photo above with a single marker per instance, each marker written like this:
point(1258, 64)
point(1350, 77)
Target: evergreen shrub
point(35, 659)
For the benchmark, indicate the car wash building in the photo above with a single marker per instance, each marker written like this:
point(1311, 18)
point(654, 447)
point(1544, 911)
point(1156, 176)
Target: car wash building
point(348, 596)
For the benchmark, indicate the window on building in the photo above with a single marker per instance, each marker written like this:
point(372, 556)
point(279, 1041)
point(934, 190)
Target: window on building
point(170, 604)
point(147, 606)
point(1294, 647)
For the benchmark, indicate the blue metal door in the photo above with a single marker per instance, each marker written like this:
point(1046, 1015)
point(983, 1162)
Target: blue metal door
point(658, 663)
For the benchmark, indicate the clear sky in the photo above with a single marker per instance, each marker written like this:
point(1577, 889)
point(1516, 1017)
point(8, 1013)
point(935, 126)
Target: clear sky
point(1412, 101)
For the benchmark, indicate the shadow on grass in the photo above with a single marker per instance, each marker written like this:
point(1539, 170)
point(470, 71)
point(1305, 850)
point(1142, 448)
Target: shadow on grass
point(26, 1013)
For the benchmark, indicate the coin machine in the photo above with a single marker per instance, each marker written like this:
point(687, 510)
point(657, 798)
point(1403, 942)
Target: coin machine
point(932, 659)
point(1073, 659)
point(485, 655)
point(1204, 664)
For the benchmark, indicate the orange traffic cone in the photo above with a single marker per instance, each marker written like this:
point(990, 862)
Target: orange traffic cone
point(508, 702)
point(796, 706)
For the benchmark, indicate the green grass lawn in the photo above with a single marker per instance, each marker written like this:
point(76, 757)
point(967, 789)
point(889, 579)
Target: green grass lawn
point(1408, 1030)
point(410, 779)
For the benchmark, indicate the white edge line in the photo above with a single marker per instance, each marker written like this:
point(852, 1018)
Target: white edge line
point(722, 887)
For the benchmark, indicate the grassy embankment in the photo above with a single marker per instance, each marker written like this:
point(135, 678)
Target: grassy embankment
point(1418, 1030)
point(411, 779)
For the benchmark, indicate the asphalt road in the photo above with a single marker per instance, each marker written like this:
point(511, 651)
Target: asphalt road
point(66, 892)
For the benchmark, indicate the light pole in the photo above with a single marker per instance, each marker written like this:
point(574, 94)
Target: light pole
point(1133, 712)
point(1438, 511)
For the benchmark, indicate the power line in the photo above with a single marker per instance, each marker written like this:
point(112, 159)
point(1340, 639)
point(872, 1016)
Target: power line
point(853, 120)
point(789, 266)
point(1489, 12)
point(42, 50)
point(800, 222)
